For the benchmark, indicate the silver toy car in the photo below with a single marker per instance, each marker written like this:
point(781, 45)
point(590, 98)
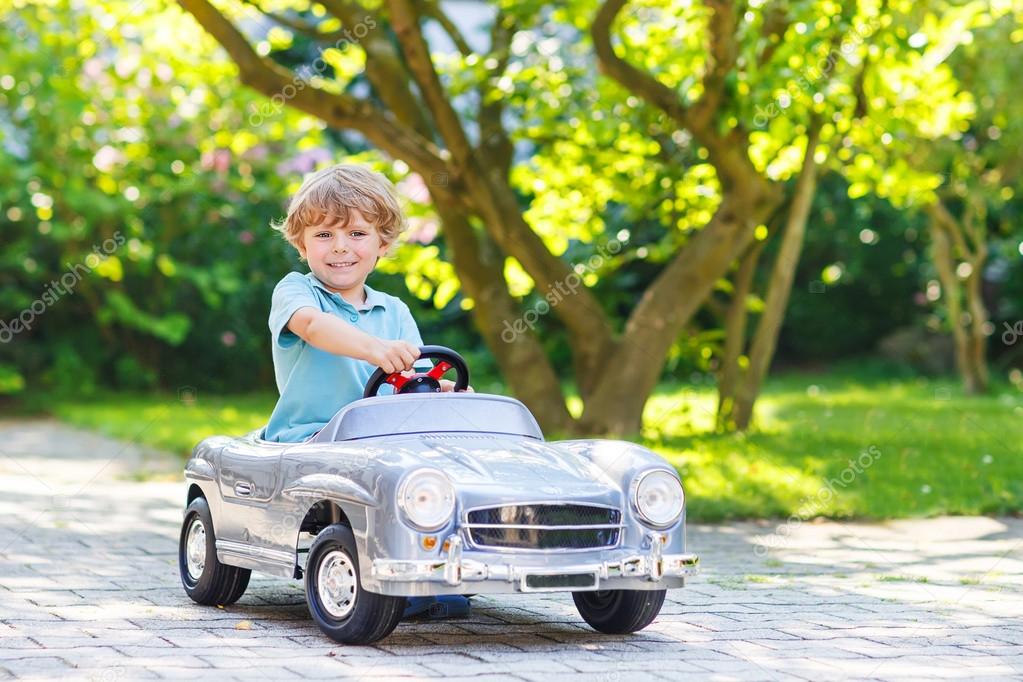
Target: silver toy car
point(426, 493)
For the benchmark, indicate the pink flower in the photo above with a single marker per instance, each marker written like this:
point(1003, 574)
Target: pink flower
point(423, 231)
point(304, 162)
point(414, 188)
point(256, 153)
point(228, 339)
point(246, 237)
point(93, 69)
point(218, 160)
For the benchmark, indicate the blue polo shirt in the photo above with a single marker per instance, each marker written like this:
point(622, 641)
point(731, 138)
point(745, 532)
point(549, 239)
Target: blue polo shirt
point(313, 383)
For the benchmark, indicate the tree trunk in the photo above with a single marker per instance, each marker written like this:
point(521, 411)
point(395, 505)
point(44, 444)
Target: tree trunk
point(521, 358)
point(765, 338)
point(616, 406)
point(591, 335)
point(944, 263)
point(968, 334)
point(732, 366)
point(978, 320)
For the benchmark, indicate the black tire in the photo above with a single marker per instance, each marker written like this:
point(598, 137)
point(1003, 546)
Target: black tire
point(216, 584)
point(619, 612)
point(363, 618)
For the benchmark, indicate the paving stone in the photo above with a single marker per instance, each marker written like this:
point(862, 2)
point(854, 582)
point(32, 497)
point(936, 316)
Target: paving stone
point(51, 666)
point(81, 598)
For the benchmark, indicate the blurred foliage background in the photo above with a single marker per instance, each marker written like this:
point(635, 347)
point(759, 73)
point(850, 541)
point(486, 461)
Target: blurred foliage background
point(125, 124)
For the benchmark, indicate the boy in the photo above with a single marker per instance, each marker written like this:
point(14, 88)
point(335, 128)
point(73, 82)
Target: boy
point(330, 331)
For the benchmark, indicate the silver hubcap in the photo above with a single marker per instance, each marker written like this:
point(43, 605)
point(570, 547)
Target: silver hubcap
point(336, 584)
point(195, 549)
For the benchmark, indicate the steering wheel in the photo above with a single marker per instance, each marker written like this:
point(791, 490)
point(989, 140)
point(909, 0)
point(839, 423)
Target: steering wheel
point(423, 382)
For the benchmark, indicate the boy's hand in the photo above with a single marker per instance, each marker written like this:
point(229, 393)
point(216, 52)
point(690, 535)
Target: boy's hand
point(446, 386)
point(393, 356)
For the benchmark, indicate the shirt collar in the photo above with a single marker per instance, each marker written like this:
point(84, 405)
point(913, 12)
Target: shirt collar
point(374, 298)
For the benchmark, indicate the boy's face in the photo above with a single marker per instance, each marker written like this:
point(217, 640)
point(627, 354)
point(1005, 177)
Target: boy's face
point(342, 258)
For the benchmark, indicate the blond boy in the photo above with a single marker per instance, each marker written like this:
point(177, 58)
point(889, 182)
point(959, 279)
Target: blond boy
point(330, 331)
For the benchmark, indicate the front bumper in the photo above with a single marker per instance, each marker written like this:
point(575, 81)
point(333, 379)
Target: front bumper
point(457, 573)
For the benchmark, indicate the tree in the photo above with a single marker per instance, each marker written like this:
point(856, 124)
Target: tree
point(411, 116)
point(961, 165)
point(868, 90)
point(786, 69)
point(451, 116)
point(983, 172)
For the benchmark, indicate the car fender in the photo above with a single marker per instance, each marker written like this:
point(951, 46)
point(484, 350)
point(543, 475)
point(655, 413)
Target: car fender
point(200, 470)
point(354, 501)
point(328, 486)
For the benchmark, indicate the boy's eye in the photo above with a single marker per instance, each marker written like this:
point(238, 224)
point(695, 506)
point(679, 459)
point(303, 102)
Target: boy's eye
point(357, 233)
point(323, 234)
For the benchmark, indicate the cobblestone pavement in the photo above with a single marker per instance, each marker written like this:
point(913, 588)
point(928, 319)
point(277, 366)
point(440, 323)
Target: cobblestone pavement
point(89, 589)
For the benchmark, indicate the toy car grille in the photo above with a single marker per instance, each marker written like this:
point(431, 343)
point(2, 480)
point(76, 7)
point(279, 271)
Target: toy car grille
point(545, 526)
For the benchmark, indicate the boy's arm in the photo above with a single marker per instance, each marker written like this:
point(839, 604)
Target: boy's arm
point(334, 335)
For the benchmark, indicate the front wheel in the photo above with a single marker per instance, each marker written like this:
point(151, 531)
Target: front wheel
point(344, 611)
point(206, 580)
point(619, 612)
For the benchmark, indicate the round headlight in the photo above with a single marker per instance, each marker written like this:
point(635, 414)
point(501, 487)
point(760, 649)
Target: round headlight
point(659, 498)
point(427, 498)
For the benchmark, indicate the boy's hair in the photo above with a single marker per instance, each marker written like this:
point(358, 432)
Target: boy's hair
point(329, 195)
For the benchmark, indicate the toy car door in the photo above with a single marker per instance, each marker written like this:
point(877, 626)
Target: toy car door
point(249, 472)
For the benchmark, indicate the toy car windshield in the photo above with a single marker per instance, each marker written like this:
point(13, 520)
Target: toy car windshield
point(398, 415)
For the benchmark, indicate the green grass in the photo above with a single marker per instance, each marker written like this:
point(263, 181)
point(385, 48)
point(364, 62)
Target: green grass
point(923, 448)
point(926, 449)
point(166, 421)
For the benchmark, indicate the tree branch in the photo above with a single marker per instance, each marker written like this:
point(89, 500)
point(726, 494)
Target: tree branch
point(776, 22)
point(494, 201)
point(305, 29)
point(631, 78)
point(783, 272)
point(494, 140)
point(405, 22)
point(728, 154)
point(722, 53)
point(944, 220)
point(385, 68)
point(432, 9)
point(336, 109)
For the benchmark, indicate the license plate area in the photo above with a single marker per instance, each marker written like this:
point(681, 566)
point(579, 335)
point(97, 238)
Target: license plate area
point(559, 582)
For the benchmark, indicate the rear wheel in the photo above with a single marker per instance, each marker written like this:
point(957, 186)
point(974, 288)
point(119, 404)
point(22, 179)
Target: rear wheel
point(206, 580)
point(344, 611)
point(619, 612)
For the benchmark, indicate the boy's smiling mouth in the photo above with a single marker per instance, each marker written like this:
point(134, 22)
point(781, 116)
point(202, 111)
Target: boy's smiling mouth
point(344, 265)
